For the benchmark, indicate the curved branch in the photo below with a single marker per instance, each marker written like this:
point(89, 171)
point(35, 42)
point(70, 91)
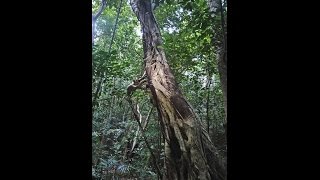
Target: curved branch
point(102, 7)
point(95, 17)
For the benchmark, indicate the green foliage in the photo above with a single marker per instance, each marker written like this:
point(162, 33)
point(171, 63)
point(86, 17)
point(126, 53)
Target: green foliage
point(191, 38)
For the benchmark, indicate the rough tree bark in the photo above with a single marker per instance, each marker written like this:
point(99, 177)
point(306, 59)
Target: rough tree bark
point(222, 68)
point(222, 61)
point(189, 152)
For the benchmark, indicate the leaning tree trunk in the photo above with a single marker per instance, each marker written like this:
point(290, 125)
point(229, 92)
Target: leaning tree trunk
point(189, 152)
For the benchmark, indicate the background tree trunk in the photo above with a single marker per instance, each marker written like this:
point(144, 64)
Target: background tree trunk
point(189, 152)
point(222, 68)
point(216, 6)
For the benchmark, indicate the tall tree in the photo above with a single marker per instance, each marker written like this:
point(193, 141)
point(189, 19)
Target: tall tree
point(217, 6)
point(189, 152)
